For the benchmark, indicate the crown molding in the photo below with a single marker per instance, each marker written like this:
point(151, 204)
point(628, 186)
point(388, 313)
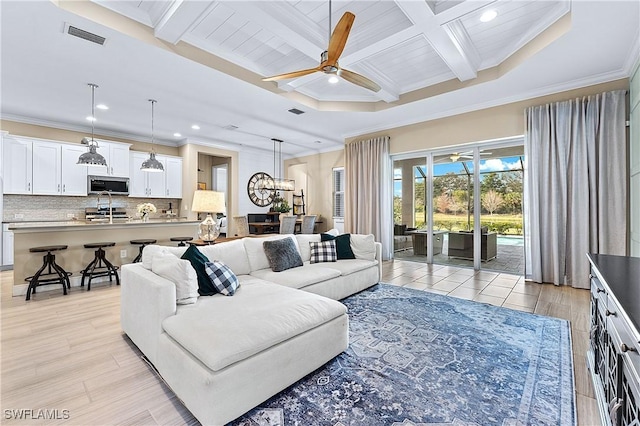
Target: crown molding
point(75, 128)
point(633, 57)
point(535, 93)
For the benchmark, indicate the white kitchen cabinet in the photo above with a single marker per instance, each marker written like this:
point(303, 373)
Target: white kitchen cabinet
point(117, 156)
point(173, 169)
point(167, 184)
point(17, 165)
point(41, 167)
point(47, 165)
point(74, 176)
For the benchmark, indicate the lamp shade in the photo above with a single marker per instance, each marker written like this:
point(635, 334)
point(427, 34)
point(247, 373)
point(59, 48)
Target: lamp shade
point(208, 202)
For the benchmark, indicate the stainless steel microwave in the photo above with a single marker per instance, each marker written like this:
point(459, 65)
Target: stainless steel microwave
point(114, 185)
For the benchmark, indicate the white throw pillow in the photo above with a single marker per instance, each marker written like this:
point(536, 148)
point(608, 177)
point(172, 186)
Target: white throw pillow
point(333, 232)
point(181, 273)
point(151, 250)
point(363, 246)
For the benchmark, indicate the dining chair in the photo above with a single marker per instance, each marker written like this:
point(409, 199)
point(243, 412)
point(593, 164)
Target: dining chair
point(242, 225)
point(288, 224)
point(308, 222)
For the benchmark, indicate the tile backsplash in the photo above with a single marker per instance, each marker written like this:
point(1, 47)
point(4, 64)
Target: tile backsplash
point(43, 207)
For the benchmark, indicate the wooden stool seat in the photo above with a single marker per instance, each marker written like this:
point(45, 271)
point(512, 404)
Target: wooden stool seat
point(43, 249)
point(99, 266)
point(99, 245)
point(54, 275)
point(181, 240)
point(142, 243)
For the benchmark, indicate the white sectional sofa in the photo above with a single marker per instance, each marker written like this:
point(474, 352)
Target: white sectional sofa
point(224, 355)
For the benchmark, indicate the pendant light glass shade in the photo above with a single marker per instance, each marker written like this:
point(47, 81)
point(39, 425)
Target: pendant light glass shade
point(278, 183)
point(151, 164)
point(92, 157)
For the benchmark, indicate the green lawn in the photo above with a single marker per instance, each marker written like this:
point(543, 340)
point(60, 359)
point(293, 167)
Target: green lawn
point(506, 224)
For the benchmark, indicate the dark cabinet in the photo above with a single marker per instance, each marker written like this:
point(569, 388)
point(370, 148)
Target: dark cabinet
point(613, 357)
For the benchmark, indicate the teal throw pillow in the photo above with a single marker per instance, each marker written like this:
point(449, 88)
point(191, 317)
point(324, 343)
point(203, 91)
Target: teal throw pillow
point(198, 261)
point(343, 245)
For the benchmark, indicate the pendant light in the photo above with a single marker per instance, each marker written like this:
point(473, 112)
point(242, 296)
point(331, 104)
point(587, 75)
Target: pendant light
point(277, 183)
point(151, 164)
point(92, 157)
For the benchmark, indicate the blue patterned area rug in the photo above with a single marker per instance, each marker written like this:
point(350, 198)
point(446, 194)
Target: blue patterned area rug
point(418, 358)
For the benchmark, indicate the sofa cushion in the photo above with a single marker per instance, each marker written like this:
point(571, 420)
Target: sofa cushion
point(222, 278)
point(181, 273)
point(271, 314)
point(343, 245)
point(197, 259)
point(303, 244)
point(298, 277)
point(324, 251)
point(282, 254)
point(231, 253)
point(255, 251)
point(363, 246)
point(348, 266)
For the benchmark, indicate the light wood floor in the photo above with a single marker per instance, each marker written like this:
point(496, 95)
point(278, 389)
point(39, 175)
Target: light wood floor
point(69, 353)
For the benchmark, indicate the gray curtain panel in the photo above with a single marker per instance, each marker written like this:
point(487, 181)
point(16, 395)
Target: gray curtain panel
point(368, 202)
point(576, 186)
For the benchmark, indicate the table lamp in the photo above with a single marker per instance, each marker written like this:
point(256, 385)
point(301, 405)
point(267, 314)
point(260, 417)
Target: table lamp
point(208, 202)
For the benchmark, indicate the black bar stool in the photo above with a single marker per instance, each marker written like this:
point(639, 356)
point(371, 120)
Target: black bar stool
point(181, 240)
point(54, 275)
point(99, 266)
point(142, 243)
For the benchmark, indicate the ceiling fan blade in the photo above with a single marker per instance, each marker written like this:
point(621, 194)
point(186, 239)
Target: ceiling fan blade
point(359, 80)
point(291, 74)
point(339, 37)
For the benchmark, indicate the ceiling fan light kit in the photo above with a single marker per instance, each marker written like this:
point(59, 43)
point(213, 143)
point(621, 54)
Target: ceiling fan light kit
point(329, 58)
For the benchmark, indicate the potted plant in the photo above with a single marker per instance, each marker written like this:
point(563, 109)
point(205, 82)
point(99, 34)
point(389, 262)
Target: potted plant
point(280, 205)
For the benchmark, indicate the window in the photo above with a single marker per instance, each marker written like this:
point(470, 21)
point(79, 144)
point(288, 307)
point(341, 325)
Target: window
point(338, 192)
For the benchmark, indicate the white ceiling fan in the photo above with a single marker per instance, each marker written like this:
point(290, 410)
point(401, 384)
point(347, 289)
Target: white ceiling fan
point(329, 58)
point(468, 155)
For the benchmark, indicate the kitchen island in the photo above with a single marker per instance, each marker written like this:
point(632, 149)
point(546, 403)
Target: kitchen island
point(76, 233)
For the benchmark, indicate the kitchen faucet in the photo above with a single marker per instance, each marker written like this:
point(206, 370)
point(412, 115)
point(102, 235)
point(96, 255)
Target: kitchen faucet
point(110, 210)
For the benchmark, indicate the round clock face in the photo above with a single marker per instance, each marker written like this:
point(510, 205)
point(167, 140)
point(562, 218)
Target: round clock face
point(259, 195)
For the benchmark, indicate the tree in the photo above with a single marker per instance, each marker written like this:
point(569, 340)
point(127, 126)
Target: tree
point(492, 181)
point(397, 209)
point(442, 203)
point(491, 201)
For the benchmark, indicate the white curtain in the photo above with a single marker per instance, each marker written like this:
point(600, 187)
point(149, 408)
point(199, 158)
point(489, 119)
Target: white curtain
point(368, 203)
point(576, 182)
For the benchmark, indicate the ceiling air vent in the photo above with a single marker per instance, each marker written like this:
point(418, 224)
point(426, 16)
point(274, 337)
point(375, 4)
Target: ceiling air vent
point(86, 35)
point(296, 111)
point(230, 127)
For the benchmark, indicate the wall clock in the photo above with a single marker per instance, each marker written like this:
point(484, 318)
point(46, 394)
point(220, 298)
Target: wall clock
point(258, 194)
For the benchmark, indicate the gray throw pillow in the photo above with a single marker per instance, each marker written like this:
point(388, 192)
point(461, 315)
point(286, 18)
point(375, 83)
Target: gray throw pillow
point(282, 254)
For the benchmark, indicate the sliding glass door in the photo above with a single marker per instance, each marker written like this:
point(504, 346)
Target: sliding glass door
point(441, 195)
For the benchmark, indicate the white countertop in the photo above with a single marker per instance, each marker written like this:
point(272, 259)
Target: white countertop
point(82, 225)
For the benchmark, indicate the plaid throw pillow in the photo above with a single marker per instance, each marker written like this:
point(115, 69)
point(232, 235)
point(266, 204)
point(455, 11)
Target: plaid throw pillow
point(223, 279)
point(324, 251)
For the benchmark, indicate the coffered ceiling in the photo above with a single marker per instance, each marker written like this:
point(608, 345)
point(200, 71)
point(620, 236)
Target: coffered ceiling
point(204, 62)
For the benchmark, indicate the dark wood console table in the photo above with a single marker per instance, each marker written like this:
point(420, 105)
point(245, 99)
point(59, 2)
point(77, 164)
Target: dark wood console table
point(613, 357)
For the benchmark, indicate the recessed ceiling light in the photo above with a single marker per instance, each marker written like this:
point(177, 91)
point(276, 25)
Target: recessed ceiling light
point(102, 106)
point(177, 135)
point(91, 118)
point(334, 79)
point(489, 15)
point(195, 127)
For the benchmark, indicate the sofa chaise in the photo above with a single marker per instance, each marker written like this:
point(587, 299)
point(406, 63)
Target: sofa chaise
point(224, 355)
